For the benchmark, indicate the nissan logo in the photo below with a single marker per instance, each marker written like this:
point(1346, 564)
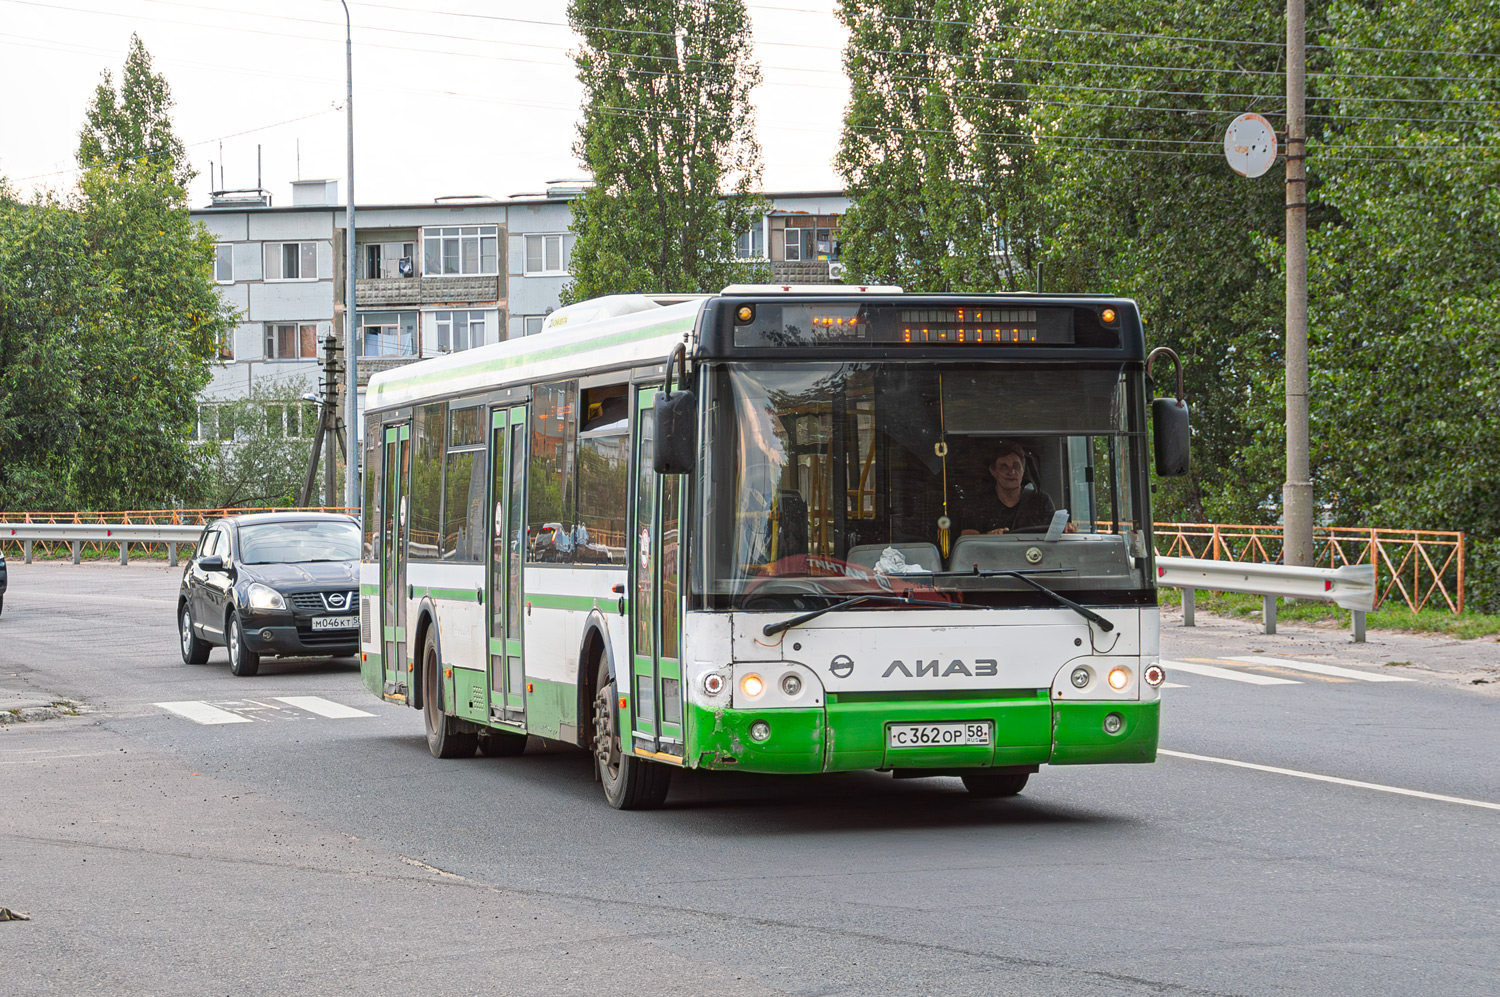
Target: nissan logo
point(841, 666)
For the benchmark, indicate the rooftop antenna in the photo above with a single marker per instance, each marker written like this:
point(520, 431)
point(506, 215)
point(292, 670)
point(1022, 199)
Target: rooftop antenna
point(299, 157)
point(258, 184)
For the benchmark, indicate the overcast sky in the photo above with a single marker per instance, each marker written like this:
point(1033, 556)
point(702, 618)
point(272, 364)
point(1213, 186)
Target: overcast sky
point(450, 96)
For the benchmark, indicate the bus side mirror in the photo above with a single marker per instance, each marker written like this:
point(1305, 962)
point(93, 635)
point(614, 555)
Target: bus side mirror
point(1169, 418)
point(676, 415)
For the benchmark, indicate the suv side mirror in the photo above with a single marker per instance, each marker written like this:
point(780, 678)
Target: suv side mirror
point(676, 415)
point(214, 563)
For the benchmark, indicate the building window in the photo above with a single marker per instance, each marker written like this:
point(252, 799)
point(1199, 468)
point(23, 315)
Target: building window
point(470, 250)
point(389, 259)
point(460, 330)
point(291, 261)
point(296, 341)
point(533, 324)
point(793, 244)
point(751, 245)
point(226, 344)
point(388, 334)
point(548, 255)
point(224, 263)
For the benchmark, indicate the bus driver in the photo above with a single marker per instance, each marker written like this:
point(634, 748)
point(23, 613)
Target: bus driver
point(1015, 503)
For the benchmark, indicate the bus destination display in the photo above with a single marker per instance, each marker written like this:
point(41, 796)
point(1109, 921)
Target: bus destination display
point(832, 324)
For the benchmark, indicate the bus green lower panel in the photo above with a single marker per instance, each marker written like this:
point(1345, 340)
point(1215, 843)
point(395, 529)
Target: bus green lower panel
point(471, 696)
point(372, 671)
point(1079, 737)
point(720, 739)
point(549, 707)
point(857, 734)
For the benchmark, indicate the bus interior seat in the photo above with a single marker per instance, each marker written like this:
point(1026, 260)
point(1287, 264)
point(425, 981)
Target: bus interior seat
point(923, 554)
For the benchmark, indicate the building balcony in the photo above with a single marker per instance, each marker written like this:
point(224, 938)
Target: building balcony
point(391, 293)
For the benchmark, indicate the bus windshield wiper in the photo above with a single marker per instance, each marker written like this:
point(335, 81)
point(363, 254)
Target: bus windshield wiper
point(1024, 575)
point(772, 629)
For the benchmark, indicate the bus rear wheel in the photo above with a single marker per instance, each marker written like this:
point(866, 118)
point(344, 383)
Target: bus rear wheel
point(993, 785)
point(445, 739)
point(629, 783)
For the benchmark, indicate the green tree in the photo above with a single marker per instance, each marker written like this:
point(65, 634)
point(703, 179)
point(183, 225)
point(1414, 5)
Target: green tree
point(109, 322)
point(934, 153)
point(133, 125)
point(255, 449)
point(668, 133)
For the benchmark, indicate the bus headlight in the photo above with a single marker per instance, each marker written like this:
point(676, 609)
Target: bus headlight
point(752, 685)
point(1080, 677)
point(791, 684)
point(1119, 678)
point(1114, 723)
point(760, 730)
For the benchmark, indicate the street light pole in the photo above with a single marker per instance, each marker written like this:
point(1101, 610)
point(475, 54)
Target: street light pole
point(351, 341)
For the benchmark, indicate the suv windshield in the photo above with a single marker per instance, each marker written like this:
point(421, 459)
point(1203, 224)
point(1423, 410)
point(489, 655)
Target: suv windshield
point(837, 479)
point(291, 543)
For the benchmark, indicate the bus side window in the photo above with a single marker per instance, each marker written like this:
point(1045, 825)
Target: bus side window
point(551, 504)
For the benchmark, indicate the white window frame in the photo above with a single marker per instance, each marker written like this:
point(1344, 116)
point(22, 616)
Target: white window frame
point(467, 244)
point(459, 325)
point(273, 331)
point(791, 242)
point(307, 253)
point(526, 324)
point(388, 332)
point(223, 261)
point(542, 240)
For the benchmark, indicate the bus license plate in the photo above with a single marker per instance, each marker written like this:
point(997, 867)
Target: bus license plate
point(335, 622)
point(941, 735)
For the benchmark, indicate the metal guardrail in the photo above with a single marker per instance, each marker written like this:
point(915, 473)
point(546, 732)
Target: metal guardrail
point(1420, 567)
point(1351, 586)
point(99, 535)
point(192, 519)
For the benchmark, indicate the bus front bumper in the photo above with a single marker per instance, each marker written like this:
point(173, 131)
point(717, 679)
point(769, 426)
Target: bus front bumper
point(848, 736)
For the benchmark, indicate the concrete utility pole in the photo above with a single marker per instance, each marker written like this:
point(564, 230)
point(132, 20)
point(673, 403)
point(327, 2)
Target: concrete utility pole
point(351, 329)
point(1296, 493)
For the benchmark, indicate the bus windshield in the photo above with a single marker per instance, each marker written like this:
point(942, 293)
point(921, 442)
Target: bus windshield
point(935, 480)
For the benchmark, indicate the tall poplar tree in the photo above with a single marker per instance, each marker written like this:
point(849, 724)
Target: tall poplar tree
point(934, 153)
point(669, 136)
point(132, 126)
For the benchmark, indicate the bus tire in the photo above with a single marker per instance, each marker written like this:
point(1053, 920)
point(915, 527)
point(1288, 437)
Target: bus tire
point(993, 785)
point(629, 783)
point(501, 744)
point(445, 739)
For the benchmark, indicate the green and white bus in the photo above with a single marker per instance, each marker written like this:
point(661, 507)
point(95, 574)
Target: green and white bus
point(747, 532)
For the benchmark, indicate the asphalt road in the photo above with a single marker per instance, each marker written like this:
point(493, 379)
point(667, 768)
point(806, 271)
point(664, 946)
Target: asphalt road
point(303, 853)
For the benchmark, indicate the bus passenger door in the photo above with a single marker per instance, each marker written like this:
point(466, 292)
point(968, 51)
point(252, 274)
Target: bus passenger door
point(507, 549)
point(656, 668)
point(393, 559)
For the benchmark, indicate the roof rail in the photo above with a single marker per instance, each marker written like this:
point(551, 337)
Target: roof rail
point(812, 289)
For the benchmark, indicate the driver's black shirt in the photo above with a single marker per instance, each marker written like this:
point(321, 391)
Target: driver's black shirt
point(987, 513)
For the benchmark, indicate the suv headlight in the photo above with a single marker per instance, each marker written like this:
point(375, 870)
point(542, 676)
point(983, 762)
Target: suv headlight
point(264, 597)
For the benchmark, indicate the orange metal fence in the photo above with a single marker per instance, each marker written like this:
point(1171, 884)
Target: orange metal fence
point(1420, 567)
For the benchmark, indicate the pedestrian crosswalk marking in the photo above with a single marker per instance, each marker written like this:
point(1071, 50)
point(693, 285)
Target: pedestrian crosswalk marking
point(244, 711)
point(1321, 669)
point(1215, 672)
point(204, 714)
point(323, 707)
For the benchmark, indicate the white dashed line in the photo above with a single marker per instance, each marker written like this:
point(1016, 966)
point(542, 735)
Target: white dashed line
point(1333, 779)
point(322, 707)
point(1319, 669)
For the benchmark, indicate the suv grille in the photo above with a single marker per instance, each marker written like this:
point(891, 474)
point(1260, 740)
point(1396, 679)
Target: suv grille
point(334, 601)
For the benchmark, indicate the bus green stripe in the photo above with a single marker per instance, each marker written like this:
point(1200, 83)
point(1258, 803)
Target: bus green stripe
point(532, 356)
point(460, 595)
point(580, 603)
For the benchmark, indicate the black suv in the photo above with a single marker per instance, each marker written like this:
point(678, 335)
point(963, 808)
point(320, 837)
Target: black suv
point(285, 584)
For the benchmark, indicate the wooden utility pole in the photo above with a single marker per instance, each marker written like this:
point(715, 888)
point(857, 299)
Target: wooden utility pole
point(329, 426)
point(1296, 493)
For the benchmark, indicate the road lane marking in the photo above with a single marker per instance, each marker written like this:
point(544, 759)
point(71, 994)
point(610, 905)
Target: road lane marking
point(1173, 685)
point(322, 707)
point(203, 713)
point(1333, 779)
point(1213, 671)
point(1320, 669)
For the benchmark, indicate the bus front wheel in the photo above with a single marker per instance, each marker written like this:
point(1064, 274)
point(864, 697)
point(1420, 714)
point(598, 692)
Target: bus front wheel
point(993, 785)
point(629, 783)
point(444, 738)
